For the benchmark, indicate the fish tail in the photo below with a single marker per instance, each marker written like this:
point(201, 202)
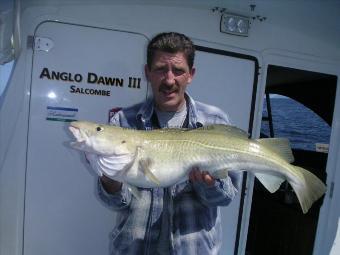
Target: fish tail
point(308, 189)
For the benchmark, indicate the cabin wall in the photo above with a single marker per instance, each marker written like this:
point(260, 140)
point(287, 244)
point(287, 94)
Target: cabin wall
point(328, 233)
point(288, 26)
point(13, 131)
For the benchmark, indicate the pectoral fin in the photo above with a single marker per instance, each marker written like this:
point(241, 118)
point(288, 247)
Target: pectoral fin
point(270, 182)
point(145, 165)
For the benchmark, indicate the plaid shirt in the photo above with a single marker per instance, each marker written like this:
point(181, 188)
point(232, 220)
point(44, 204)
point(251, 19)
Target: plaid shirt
point(192, 221)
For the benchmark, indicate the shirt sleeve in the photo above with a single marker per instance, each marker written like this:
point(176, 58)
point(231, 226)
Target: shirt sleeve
point(117, 201)
point(221, 193)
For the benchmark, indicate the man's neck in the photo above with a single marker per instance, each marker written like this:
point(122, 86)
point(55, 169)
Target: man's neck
point(172, 119)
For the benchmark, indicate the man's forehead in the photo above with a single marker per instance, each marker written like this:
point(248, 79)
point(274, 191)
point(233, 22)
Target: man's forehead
point(161, 57)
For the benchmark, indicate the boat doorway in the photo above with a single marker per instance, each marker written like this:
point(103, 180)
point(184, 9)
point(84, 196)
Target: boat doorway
point(299, 106)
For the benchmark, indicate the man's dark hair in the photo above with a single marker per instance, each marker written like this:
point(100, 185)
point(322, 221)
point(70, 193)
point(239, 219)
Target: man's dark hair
point(171, 42)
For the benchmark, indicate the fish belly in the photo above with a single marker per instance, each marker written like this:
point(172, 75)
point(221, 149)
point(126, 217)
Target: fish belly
point(171, 162)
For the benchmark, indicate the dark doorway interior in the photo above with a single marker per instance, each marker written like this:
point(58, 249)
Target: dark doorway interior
point(299, 105)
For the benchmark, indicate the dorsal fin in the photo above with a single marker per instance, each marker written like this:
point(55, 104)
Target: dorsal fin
point(223, 129)
point(280, 146)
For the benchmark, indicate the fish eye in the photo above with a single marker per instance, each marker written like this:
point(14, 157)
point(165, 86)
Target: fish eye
point(99, 129)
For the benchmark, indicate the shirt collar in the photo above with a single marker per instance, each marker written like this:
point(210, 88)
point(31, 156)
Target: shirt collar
point(145, 112)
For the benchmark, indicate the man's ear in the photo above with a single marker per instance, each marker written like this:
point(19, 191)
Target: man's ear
point(147, 72)
point(192, 73)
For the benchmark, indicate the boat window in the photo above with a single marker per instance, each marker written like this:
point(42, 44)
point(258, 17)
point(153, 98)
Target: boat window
point(292, 120)
point(5, 71)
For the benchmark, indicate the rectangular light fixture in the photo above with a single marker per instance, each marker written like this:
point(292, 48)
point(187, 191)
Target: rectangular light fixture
point(234, 24)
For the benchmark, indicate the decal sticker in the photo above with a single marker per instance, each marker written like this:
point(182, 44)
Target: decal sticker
point(61, 114)
point(100, 85)
point(113, 115)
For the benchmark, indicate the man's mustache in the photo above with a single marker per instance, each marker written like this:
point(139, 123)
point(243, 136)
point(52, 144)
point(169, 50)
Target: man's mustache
point(167, 88)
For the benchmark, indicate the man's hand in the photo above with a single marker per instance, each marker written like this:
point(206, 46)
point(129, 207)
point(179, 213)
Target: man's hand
point(201, 176)
point(111, 186)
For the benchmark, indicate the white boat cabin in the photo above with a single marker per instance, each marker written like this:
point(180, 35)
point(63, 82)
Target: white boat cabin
point(63, 60)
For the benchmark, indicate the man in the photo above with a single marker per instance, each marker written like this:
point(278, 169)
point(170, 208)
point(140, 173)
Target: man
point(183, 219)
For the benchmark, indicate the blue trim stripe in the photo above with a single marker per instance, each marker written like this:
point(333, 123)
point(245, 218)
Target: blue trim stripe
point(62, 120)
point(62, 108)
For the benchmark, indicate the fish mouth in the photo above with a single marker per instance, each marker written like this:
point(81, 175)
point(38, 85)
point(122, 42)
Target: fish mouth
point(78, 135)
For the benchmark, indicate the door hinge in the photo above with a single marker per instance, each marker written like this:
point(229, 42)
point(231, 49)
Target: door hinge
point(30, 42)
point(42, 44)
point(331, 189)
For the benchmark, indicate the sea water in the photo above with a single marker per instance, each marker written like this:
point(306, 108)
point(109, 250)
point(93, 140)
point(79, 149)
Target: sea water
point(292, 120)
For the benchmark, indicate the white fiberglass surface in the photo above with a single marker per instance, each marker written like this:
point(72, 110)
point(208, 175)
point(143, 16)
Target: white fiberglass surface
point(78, 73)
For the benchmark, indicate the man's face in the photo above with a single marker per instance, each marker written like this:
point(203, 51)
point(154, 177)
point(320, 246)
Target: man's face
point(169, 76)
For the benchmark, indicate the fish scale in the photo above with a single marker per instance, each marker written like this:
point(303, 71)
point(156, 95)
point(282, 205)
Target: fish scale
point(164, 157)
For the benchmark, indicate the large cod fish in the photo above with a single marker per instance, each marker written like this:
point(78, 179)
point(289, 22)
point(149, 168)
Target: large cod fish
point(163, 157)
